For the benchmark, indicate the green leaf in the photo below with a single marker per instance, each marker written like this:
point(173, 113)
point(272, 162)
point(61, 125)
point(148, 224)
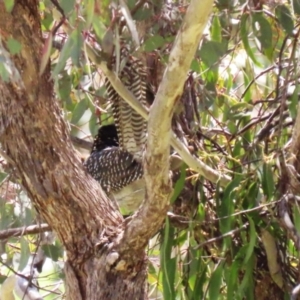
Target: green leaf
point(4, 74)
point(77, 42)
point(252, 241)
point(9, 5)
point(3, 176)
point(179, 185)
point(143, 13)
point(249, 201)
point(53, 251)
point(14, 46)
point(79, 110)
point(67, 5)
point(64, 90)
point(89, 12)
point(232, 277)
point(47, 21)
point(153, 43)
point(247, 96)
point(246, 286)
point(64, 56)
point(93, 126)
point(293, 104)
point(215, 283)
point(296, 215)
point(71, 49)
point(192, 268)
point(216, 30)
point(28, 216)
point(238, 107)
point(99, 28)
point(200, 284)
point(226, 207)
point(212, 51)
point(245, 39)
point(6, 215)
point(268, 184)
point(296, 6)
point(168, 264)
point(211, 78)
point(284, 16)
point(25, 253)
point(131, 4)
point(195, 66)
point(262, 30)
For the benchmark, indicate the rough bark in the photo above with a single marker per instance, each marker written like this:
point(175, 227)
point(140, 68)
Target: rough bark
point(106, 257)
point(36, 139)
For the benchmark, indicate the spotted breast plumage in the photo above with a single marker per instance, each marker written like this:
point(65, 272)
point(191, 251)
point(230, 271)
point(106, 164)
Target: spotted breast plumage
point(116, 157)
point(117, 171)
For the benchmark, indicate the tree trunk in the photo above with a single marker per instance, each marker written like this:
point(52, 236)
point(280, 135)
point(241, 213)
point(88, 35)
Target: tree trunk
point(36, 141)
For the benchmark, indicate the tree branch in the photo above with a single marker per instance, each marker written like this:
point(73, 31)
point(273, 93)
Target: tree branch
point(192, 161)
point(156, 161)
point(34, 135)
point(20, 231)
point(81, 143)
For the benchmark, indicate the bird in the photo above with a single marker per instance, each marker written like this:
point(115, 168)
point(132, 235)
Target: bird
point(118, 172)
point(131, 126)
point(116, 157)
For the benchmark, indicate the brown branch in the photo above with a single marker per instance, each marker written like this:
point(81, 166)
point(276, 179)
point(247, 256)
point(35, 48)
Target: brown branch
point(156, 160)
point(192, 161)
point(231, 233)
point(81, 143)
point(20, 231)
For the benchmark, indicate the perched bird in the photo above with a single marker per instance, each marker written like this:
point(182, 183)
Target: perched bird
point(116, 169)
point(116, 157)
point(131, 127)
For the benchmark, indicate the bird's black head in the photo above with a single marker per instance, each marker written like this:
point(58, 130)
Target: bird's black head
point(107, 137)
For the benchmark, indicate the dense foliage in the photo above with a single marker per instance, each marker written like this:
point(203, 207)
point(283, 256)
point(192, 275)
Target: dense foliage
point(236, 114)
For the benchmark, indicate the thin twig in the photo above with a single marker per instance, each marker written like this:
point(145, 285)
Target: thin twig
point(81, 143)
point(21, 231)
point(215, 239)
